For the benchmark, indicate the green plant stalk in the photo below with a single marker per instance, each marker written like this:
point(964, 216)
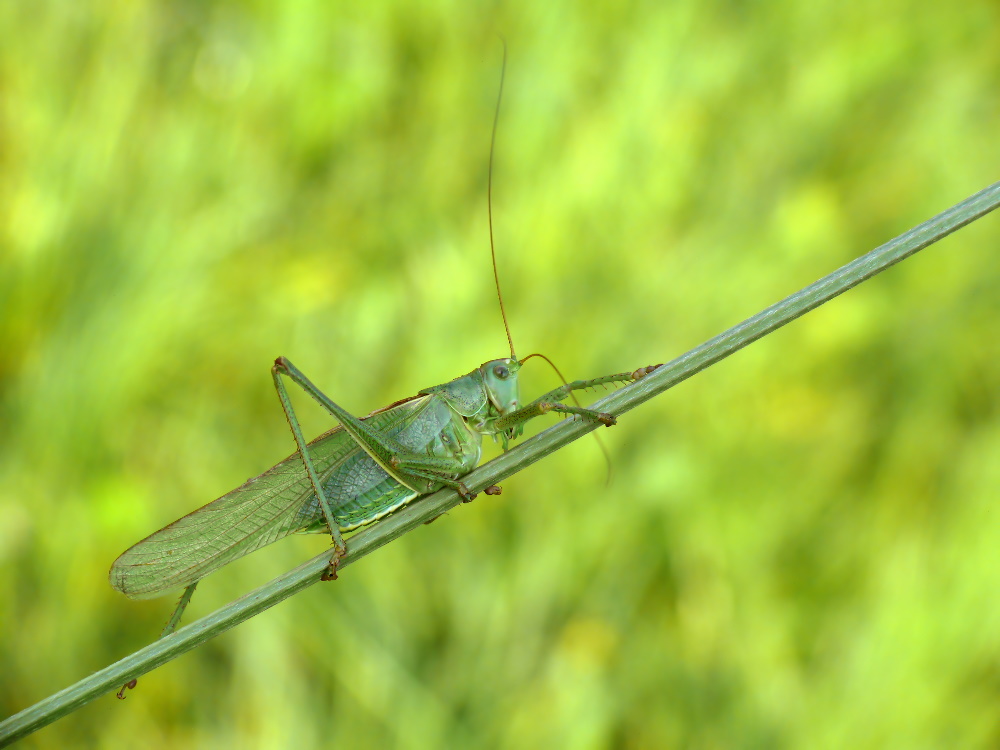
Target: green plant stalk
point(419, 512)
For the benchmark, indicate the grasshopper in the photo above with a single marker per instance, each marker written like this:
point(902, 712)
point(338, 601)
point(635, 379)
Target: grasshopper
point(354, 474)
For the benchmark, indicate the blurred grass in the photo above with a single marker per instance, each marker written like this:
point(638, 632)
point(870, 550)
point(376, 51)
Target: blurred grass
point(799, 549)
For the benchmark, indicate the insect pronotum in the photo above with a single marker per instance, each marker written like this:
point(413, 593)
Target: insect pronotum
point(356, 473)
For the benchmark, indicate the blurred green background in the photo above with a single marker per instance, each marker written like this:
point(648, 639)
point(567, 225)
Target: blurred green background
point(800, 548)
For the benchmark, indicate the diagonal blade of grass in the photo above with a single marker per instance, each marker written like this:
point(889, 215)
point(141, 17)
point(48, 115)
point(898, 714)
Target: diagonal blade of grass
point(412, 516)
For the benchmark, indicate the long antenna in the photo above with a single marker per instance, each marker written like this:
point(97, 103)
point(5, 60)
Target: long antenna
point(489, 199)
point(493, 254)
point(600, 443)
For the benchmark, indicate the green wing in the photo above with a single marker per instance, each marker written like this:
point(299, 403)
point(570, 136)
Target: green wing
point(269, 507)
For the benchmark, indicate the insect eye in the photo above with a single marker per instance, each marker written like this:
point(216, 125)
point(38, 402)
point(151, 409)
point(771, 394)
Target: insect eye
point(501, 372)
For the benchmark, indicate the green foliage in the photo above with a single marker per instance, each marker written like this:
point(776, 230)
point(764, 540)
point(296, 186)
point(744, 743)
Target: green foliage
point(798, 549)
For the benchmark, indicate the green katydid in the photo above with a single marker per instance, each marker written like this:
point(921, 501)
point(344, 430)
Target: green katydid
point(354, 474)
